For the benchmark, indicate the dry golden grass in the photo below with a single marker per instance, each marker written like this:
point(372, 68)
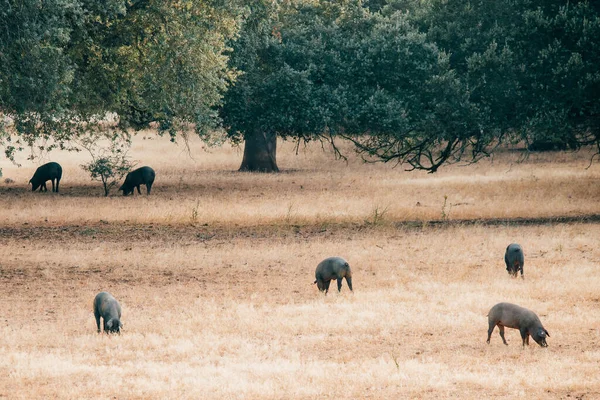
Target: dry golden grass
point(315, 189)
point(223, 306)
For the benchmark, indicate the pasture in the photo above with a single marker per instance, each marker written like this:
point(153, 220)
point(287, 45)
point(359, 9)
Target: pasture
point(214, 273)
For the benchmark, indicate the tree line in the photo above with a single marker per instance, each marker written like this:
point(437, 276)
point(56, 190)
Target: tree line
point(419, 82)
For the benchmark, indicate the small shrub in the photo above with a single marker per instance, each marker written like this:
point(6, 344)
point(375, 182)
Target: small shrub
point(377, 216)
point(290, 213)
point(109, 164)
point(194, 216)
point(446, 207)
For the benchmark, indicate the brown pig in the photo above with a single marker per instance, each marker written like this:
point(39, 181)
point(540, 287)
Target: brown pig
point(516, 317)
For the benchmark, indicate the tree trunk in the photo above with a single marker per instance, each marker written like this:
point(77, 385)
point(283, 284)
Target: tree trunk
point(260, 150)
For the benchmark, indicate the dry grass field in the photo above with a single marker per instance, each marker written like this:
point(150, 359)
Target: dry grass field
point(214, 272)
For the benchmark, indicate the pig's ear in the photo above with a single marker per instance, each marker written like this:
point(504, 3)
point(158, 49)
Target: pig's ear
point(109, 324)
point(547, 333)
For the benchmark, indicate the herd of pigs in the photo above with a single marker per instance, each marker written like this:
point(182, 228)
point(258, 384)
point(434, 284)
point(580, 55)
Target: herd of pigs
point(52, 171)
point(333, 268)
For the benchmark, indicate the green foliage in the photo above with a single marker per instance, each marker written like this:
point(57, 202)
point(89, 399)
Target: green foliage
point(253, 54)
point(334, 68)
point(419, 82)
point(516, 70)
point(530, 66)
point(65, 64)
point(562, 78)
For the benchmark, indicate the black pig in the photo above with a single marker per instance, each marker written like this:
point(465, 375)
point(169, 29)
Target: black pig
point(107, 307)
point(332, 268)
point(143, 175)
point(514, 259)
point(47, 172)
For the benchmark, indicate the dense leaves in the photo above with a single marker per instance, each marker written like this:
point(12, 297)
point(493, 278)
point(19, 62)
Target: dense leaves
point(418, 82)
point(334, 68)
point(65, 64)
point(531, 66)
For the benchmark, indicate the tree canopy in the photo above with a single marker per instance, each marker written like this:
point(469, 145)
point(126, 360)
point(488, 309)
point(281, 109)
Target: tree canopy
point(65, 64)
point(418, 82)
point(530, 65)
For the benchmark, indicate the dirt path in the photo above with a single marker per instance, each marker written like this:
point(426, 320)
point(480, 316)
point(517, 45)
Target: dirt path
point(116, 232)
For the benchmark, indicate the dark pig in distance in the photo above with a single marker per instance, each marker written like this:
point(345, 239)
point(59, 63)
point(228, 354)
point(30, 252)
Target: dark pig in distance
point(143, 175)
point(514, 259)
point(47, 172)
point(107, 307)
point(516, 317)
point(332, 268)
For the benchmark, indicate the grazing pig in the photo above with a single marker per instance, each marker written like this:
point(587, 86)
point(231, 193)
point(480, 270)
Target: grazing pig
point(47, 172)
point(512, 316)
point(514, 259)
point(107, 307)
point(332, 268)
point(143, 175)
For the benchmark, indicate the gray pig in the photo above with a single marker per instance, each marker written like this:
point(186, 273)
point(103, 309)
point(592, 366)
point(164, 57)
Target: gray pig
point(514, 259)
point(332, 268)
point(143, 175)
point(107, 307)
point(46, 172)
point(516, 317)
